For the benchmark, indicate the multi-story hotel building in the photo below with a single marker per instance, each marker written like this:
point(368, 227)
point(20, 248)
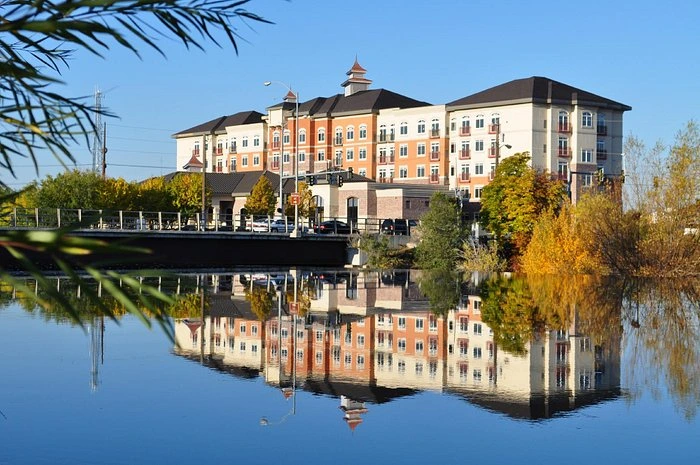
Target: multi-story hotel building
point(392, 138)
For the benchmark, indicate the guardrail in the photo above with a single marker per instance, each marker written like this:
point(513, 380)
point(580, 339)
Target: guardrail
point(120, 220)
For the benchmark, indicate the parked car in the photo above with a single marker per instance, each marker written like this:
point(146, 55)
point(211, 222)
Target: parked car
point(397, 226)
point(279, 226)
point(387, 226)
point(258, 224)
point(333, 227)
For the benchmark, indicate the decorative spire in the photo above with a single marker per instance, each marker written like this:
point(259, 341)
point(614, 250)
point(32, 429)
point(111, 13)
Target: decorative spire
point(357, 81)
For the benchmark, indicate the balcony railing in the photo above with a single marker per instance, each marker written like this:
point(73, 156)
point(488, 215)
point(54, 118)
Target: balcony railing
point(464, 177)
point(195, 152)
point(465, 130)
point(564, 128)
point(385, 180)
point(564, 152)
point(383, 137)
point(493, 128)
point(232, 149)
point(220, 151)
point(602, 154)
point(434, 178)
point(492, 152)
point(275, 165)
point(602, 130)
point(434, 133)
point(464, 154)
point(338, 141)
point(434, 155)
point(276, 144)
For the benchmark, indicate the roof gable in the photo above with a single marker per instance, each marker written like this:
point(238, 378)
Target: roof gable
point(534, 89)
point(219, 124)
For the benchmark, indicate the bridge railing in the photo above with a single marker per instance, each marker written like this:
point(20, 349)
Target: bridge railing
point(122, 220)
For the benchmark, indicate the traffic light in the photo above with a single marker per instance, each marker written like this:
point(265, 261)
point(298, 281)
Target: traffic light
point(600, 174)
point(311, 180)
point(349, 173)
point(340, 180)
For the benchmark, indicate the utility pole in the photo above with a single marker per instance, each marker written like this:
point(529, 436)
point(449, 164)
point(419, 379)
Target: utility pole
point(97, 142)
point(104, 152)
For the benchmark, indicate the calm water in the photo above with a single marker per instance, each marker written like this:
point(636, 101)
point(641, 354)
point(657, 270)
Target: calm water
point(394, 367)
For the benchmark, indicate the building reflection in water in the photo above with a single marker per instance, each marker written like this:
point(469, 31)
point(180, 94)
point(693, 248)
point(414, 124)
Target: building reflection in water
point(371, 337)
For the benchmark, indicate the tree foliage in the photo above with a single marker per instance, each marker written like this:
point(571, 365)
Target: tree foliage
point(514, 200)
point(441, 234)
point(262, 200)
point(37, 40)
point(186, 193)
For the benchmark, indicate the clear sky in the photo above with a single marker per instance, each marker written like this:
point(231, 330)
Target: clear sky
point(642, 53)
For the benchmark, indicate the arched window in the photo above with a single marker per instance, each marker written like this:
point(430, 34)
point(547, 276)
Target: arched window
point(421, 126)
point(563, 121)
point(353, 204)
point(363, 131)
point(338, 135)
point(587, 119)
point(285, 138)
point(302, 135)
point(465, 127)
point(256, 141)
point(479, 121)
point(321, 135)
point(403, 128)
point(350, 133)
point(276, 140)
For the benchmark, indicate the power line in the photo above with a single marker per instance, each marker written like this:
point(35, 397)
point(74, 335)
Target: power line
point(144, 140)
point(142, 127)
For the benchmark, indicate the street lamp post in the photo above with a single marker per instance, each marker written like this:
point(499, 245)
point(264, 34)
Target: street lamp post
point(295, 230)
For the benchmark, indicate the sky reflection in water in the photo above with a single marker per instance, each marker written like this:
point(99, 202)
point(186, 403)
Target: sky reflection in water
point(511, 373)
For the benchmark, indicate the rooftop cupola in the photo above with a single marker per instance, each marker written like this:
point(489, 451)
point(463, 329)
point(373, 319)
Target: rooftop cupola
point(356, 81)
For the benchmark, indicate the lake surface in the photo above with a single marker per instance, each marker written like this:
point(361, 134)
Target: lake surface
point(369, 367)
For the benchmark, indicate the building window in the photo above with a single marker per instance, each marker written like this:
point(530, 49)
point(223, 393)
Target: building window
point(453, 125)
point(256, 141)
point(245, 142)
point(479, 122)
point(285, 138)
point(302, 135)
point(479, 169)
point(402, 322)
point(586, 156)
point(362, 172)
point(600, 145)
point(302, 156)
point(587, 180)
point(321, 135)
point(477, 192)
point(403, 150)
point(403, 172)
point(419, 324)
point(477, 375)
point(350, 155)
point(285, 157)
point(360, 340)
point(587, 119)
point(363, 132)
point(244, 160)
point(321, 155)
point(435, 127)
point(403, 128)
point(401, 344)
point(363, 154)
point(477, 329)
point(421, 150)
point(350, 133)
point(420, 171)
point(421, 127)
point(419, 346)
point(479, 145)
point(476, 352)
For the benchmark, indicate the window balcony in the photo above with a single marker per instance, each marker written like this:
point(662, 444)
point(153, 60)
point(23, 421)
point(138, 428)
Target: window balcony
point(564, 128)
point(465, 131)
point(383, 137)
point(602, 130)
point(493, 128)
point(602, 154)
point(338, 141)
point(464, 177)
point(464, 154)
point(493, 151)
point(276, 144)
point(219, 169)
point(232, 149)
point(434, 155)
point(220, 151)
point(434, 133)
point(382, 159)
point(564, 152)
point(386, 180)
point(195, 152)
point(274, 165)
point(434, 178)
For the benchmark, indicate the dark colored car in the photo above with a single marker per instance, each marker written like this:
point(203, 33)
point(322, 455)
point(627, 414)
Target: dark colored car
point(387, 226)
point(332, 227)
point(398, 227)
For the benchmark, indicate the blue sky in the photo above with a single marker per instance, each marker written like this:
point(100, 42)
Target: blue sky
point(641, 53)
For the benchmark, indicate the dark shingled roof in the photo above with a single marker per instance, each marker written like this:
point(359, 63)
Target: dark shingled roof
point(360, 102)
point(218, 125)
point(534, 89)
point(237, 184)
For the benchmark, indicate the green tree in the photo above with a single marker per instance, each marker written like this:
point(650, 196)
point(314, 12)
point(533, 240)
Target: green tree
point(154, 195)
point(514, 200)
point(441, 234)
point(37, 41)
point(72, 189)
point(186, 193)
point(262, 200)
